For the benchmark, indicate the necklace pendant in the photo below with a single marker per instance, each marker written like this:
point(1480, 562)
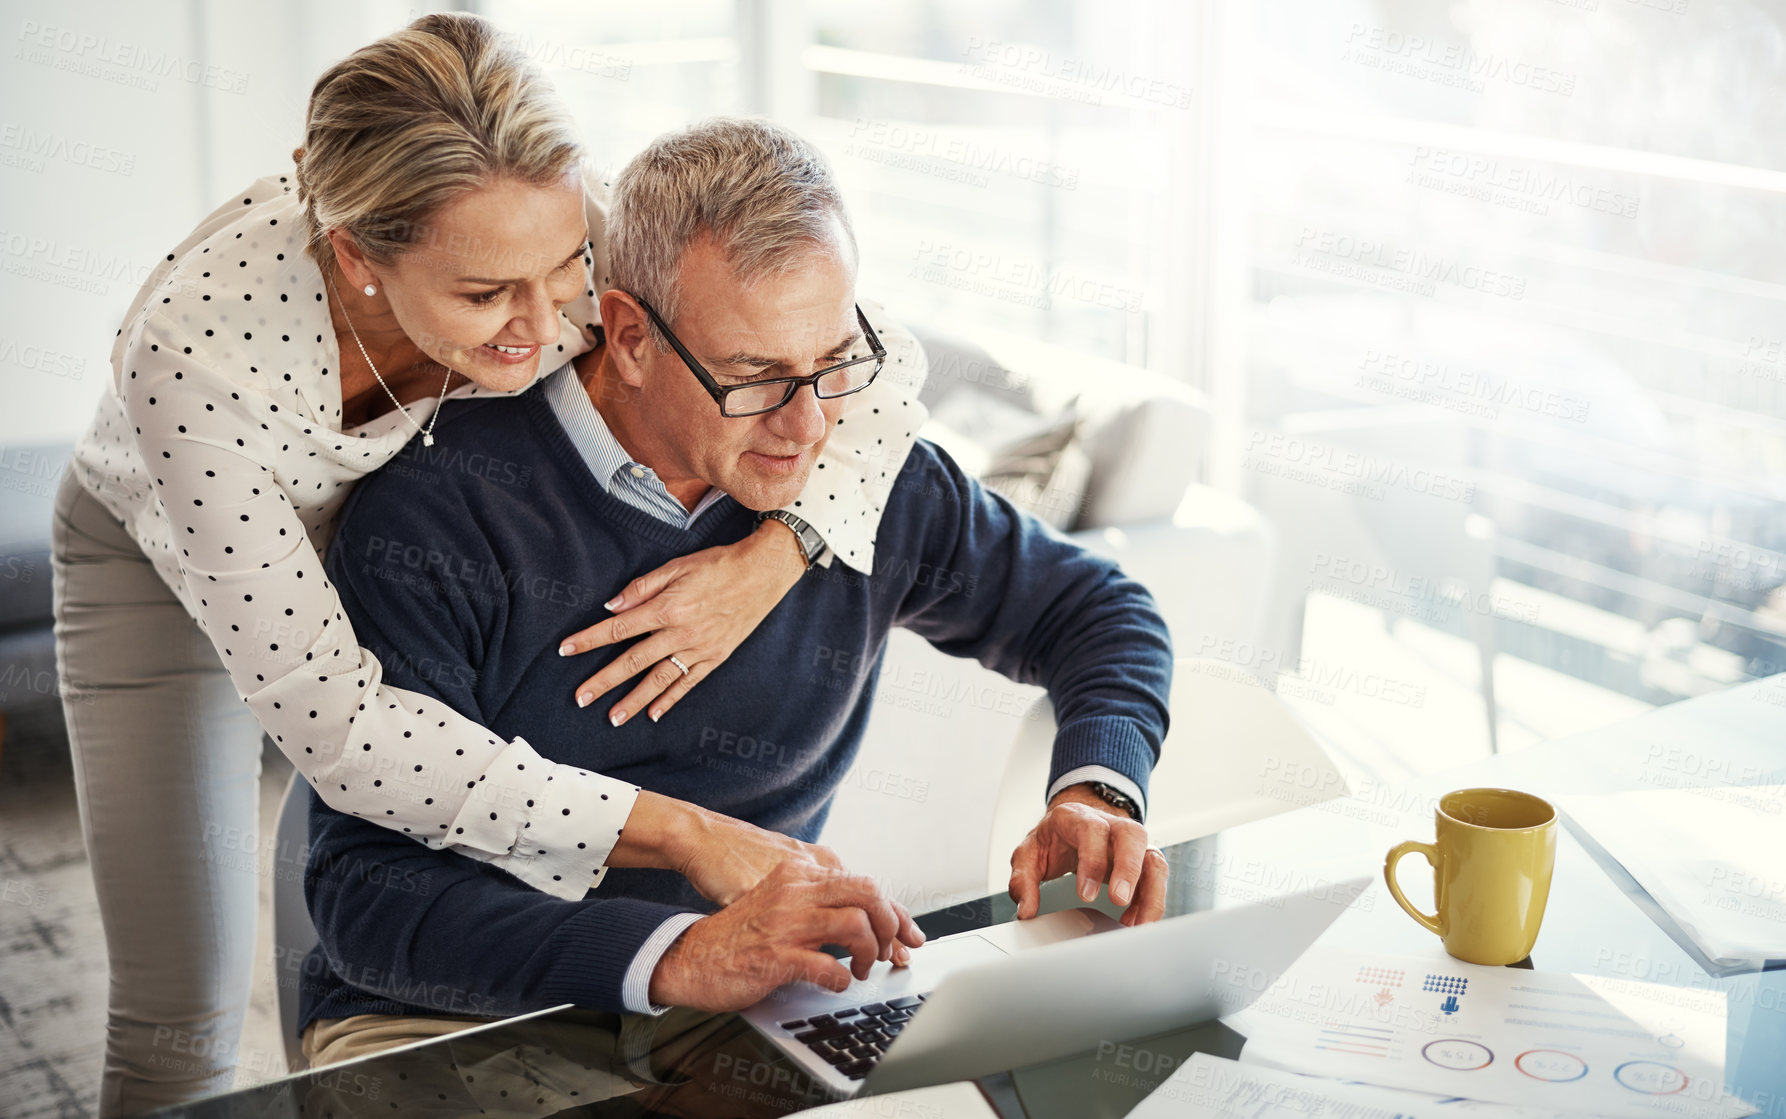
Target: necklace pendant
point(427, 439)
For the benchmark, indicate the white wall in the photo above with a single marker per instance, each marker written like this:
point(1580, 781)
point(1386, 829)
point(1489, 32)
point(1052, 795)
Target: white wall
point(123, 124)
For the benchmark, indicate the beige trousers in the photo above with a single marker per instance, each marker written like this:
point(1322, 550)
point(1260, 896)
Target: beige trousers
point(330, 1041)
point(167, 771)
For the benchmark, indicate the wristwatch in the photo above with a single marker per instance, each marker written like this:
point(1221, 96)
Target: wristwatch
point(1116, 798)
point(811, 543)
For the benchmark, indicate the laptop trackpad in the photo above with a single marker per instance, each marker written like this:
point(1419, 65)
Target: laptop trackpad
point(930, 964)
point(935, 960)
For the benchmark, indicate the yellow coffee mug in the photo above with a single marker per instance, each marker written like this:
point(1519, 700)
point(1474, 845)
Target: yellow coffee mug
point(1491, 873)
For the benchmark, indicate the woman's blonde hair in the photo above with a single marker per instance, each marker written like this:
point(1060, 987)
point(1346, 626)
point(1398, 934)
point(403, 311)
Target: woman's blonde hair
point(407, 124)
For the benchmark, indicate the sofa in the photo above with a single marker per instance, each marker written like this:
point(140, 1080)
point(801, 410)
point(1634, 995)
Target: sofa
point(29, 476)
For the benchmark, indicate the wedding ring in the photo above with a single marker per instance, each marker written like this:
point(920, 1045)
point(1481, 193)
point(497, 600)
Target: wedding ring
point(678, 663)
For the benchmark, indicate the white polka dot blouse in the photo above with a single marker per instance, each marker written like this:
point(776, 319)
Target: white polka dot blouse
point(219, 447)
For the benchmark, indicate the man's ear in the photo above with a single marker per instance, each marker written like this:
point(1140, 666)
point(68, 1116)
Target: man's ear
point(628, 334)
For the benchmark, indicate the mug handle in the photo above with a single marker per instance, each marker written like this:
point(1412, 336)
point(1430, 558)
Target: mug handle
point(1430, 922)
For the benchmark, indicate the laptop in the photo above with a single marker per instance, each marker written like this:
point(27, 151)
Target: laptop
point(984, 1001)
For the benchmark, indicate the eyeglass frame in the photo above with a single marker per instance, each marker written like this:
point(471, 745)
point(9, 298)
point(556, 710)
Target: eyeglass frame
point(877, 354)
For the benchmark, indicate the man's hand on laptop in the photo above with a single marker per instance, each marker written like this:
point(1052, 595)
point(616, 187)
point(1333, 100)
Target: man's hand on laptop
point(1082, 832)
point(774, 934)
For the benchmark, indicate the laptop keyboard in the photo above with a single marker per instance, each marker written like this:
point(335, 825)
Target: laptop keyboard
point(852, 1040)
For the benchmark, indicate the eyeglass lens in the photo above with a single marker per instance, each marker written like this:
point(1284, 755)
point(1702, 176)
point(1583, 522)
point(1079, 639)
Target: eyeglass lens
point(747, 399)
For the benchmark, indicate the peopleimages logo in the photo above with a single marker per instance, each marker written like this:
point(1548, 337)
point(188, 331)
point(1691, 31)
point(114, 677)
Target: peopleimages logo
point(1365, 258)
point(1764, 358)
point(1513, 185)
point(1277, 670)
point(30, 470)
point(67, 265)
point(954, 157)
point(1325, 465)
point(1027, 283)
point(23, 146)
point(1448, 63)
point(53, 363)
point(116, 60)
point(1420, 596)
point(1028, 67)
point(1461, 388)
point(483, 580)
point(571, 56)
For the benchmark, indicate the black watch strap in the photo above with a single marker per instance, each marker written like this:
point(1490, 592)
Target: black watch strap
point(1116, 798)
point(812, 545)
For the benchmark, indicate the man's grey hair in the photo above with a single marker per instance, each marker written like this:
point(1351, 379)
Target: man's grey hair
point(765, 195)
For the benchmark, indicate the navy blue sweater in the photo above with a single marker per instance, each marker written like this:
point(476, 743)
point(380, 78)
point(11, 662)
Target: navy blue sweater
point(464, 585)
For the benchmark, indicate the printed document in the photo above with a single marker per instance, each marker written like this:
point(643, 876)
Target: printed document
point(1577, 1044)
point(1207, 1087)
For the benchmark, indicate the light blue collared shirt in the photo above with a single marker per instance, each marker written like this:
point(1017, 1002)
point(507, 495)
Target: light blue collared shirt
point(632, 482)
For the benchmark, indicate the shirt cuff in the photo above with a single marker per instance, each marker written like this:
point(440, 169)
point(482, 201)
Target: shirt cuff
point(569, 822)
point(1100, 773)
point(635, 989)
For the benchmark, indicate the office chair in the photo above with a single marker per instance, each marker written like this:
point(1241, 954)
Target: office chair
point(293, 934)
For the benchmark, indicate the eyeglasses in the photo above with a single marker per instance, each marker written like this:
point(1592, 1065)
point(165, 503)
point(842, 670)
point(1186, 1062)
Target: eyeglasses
point(757, 397)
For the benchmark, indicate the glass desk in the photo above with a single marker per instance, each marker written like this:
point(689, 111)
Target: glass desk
point(573, 1062)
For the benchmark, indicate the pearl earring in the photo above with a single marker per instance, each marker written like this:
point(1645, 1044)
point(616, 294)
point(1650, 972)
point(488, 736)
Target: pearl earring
point(370, 290)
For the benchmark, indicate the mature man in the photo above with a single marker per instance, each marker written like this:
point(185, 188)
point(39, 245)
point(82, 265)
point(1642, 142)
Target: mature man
point(732, 343)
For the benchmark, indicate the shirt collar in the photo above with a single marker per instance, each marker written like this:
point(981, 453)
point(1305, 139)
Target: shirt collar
point(619, 475)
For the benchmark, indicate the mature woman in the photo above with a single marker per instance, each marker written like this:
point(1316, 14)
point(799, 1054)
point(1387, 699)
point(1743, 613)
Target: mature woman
point(437, 238)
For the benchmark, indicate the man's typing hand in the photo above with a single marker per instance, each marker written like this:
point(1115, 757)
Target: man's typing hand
point(773, 934)
point(1084, 833)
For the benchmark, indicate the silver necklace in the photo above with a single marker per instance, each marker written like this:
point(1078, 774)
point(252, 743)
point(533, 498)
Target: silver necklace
point(427, 433)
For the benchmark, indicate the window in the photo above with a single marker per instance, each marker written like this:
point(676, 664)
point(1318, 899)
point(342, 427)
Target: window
point(1004, 162)
point(1486, 294)
point(1508, 270)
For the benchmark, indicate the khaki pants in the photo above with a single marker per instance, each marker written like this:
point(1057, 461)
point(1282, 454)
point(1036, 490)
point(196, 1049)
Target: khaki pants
point(167, 771)
point(330, 1041)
